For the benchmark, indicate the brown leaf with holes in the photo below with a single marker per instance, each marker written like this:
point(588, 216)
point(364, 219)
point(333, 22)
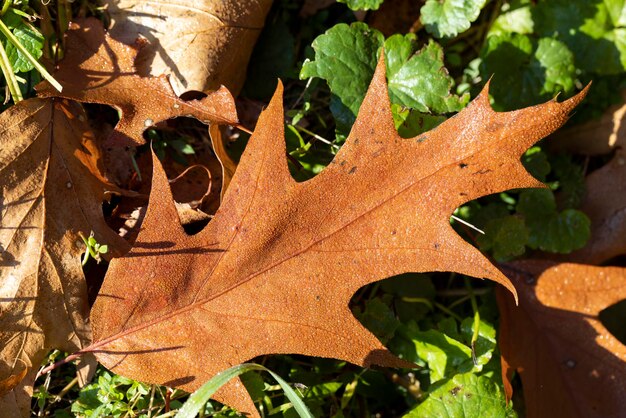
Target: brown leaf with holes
point(218, 34)
point(99, 69)
point(274, 270)
point(51, 190)
point(569, 363)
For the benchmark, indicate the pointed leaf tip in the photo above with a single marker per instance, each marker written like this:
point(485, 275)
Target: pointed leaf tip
point(161, 209)
point(380, 73)
point(574, 101)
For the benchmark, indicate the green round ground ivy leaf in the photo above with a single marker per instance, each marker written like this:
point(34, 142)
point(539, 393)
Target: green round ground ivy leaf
point(362, 4)
point(411, 123)
point(595, 31)
point(464, 396)
point(550, 230)
point(526, 71)
point(506, 237)
point(517, 17)
point(448, 18)
point(420, 81)
point(442, 350)
point(571, 180)
point(345, 56)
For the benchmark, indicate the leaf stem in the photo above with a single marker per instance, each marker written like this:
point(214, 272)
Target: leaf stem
point(476, 318)
point(316, 136)
point(9, 75)
point(447, 311)
point(44, 73)
point(5, 6)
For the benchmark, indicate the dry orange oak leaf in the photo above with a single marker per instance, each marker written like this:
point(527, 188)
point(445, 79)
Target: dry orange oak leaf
point(274, 270)
point(51, 190)
point(99, 69)
point(569, 363)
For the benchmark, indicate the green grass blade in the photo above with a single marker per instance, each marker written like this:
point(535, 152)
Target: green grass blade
point(9, 76)
point(200, 397)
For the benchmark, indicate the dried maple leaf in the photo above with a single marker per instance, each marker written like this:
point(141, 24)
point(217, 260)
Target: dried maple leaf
point(605, 204)
point(569, 363)
point(220, 34)
point(274, 270)
point(51, 189)
point(99, 69)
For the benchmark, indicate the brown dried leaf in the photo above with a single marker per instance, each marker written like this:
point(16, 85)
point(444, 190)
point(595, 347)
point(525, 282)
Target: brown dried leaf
point(219, 34)
point(99, 69)
point(605, 204)
point(50, 190)
point(569, 363)
point(274, 270)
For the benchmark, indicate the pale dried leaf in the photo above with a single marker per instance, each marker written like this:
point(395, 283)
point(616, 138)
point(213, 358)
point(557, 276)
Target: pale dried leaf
point(51, 190)
point(218, 34)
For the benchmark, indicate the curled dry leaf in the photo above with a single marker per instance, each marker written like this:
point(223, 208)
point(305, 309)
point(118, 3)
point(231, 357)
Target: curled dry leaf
point(569, 363)
point(228, 164)
point(605, 204)
point(51, 190)
point(220, 34)
point(99, 69)
point(259, 279)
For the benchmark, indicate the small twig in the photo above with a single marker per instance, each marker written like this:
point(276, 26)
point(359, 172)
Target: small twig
point(306, 87)
point(66, 389)
point(467, 224)
point(448, 311)
point(243, 129)
point(152, 393)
